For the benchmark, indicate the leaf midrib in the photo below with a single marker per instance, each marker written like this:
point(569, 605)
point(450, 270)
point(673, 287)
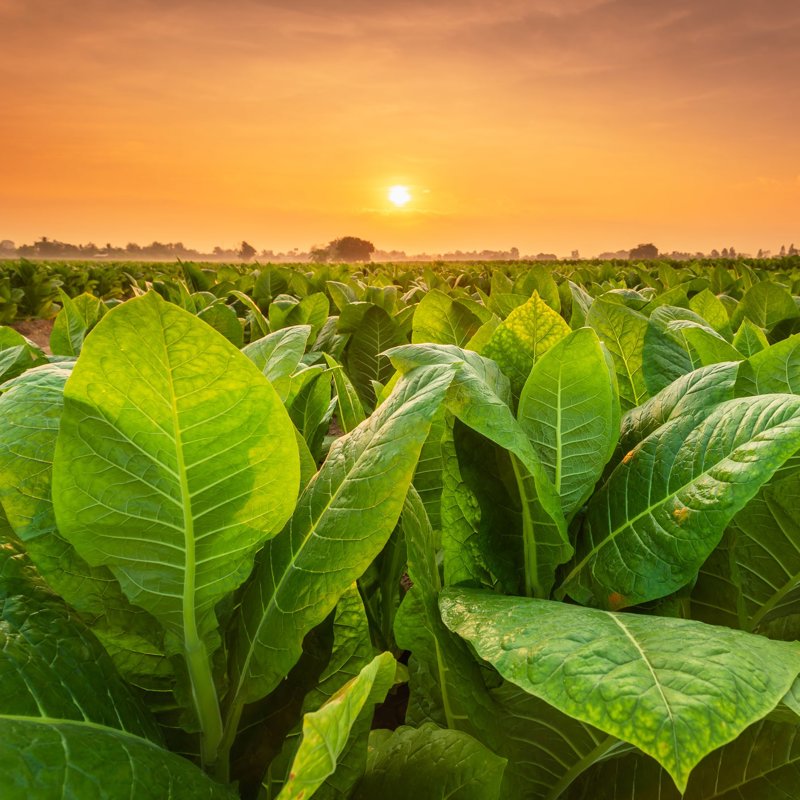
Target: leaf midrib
point(290, 566)
point(79, 723)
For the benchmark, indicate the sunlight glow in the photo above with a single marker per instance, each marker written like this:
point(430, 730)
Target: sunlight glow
point(399, 195)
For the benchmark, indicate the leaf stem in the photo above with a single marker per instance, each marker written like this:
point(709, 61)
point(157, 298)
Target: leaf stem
point(206, 703)
point(532, 588)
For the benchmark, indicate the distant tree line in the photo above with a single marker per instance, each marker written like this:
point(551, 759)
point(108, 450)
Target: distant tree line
point(345, 249)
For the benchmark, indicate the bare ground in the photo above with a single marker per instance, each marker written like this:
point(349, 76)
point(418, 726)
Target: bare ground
point(37, 330)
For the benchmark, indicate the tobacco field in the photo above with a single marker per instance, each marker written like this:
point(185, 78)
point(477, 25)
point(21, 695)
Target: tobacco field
point(523, 532)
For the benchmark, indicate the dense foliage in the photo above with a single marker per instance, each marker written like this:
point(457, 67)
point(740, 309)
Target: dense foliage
point(549, 523)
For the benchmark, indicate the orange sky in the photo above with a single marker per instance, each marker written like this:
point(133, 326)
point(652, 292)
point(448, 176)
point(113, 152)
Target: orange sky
point(542, 124)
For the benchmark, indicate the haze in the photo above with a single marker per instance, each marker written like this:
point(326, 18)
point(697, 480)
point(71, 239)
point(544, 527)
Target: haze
point(539, 124)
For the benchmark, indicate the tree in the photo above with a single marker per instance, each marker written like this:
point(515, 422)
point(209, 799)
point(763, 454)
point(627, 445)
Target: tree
point(319, 254)
point(246, 251)
point(644, 251)
point(350, 248)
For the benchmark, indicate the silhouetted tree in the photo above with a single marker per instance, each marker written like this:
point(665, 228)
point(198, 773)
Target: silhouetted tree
point(644, 251)
point(246, 251)
point(350, 248)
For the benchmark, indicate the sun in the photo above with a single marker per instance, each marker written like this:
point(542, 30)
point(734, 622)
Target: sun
point(399, 195)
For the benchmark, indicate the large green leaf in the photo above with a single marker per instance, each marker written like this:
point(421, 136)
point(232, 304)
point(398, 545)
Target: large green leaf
point(622, 330)
point(695, 394)
point(709, 346)
point(765, 304)
point(570, 411)
point(478, 398)
point(749, 339)
point(439, 319)
point(755, 578)
point(433, 763)
point(674, 688)
point(528, 332)
point(710, 308)
point(665, 507)
point(776, 369)
point(69, 726)
point(767, 552)
point(174, 463)
point(375, 333)
point(278, 355)
point(342, 521)
point(762, 764)
point(326, 731)
point(223, 319)
point(31, 408)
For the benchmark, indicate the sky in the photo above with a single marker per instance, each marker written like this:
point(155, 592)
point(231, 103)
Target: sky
point(548, 125)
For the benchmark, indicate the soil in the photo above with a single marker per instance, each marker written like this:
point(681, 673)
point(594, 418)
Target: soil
point(37, 330)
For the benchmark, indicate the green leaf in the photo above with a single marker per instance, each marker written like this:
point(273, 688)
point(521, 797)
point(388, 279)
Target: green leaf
point(278, 355)
point(440, 319)
point(31, 409)
point(448, 688)
point(539, 279)
point(431, 762)
point(351, 652)
point(76, 318)
point(326, 731)
point(311, 310)
point(259, 326)
point(525, 335)
point(792, 698)
point(675, 689)
point(775, 369)
point(482, 526)
point(376, 333)
point(175, 462)
point(224, 320)
point(270, 283)
point(570, 411)
point(311, 412)
point(665, 507)
point(764, 762)
point(765, 304)
point(69, 726)
point(710, 308)
point(17, 354)
point(694, 394)
point(342, 521)
point(474, 399)
point(349, 411)
point(666, 354)
point(710, 347)
point(750, 339)
point(581, 305)
point(762, 560)
point(622, 331)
